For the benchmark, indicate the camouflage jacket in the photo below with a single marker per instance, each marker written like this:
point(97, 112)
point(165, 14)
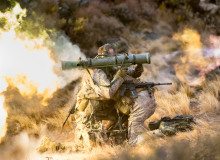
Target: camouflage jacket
point(96, 90)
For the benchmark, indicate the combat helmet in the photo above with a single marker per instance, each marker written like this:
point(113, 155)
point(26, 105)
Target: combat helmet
point(106, 50)
point(120, 46)
point(113, 48)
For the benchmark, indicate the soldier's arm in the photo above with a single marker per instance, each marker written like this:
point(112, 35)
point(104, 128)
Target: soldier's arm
point(103, 86)
point(136, 72)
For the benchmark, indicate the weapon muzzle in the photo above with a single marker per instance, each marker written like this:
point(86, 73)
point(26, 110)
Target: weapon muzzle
point(66, 65)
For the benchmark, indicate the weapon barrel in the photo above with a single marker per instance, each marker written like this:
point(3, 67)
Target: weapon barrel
point(163, 83)
point(151, 84)
point(70, 64)
point(123, 59)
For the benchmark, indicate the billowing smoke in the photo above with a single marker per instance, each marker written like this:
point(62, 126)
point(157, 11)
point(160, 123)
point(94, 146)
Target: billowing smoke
point(64, 50)
point(30, 82)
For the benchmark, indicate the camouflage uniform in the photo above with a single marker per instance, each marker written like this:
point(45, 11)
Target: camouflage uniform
point(94, 96)
point(98, 93)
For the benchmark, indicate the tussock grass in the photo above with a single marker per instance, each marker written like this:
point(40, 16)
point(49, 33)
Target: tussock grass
point(172, 102)
point(209, 98)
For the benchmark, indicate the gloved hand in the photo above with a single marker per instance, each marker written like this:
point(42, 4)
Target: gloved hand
point(139, 67)
point(121, 73)
point(138, 71)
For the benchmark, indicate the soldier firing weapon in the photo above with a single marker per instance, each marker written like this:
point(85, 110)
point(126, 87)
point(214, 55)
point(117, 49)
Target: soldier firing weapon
point(102, 61)
point(123, 60)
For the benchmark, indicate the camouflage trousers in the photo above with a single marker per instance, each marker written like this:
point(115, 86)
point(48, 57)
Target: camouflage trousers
point(81, 137)
point(143, 107)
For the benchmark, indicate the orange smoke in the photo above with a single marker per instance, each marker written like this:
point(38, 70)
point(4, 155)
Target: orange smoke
point(24, 62)
point(34, 64)
point(193, 61)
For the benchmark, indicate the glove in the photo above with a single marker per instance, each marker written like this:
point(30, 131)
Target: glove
point(121, 73)
point(138, 71)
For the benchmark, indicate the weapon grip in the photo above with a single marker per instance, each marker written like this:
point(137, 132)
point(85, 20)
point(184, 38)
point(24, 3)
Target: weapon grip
point(123, 91)
point(149, 90)
point(133, 93)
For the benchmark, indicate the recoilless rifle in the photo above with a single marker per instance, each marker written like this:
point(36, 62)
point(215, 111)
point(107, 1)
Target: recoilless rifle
point(123, 60)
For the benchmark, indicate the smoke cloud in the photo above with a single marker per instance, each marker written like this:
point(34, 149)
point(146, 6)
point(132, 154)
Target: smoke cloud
point(64, 50)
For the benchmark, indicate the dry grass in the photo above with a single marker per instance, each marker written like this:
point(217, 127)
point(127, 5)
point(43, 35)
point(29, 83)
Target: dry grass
point(169, 104)
point(208, 103)
point(209, 97)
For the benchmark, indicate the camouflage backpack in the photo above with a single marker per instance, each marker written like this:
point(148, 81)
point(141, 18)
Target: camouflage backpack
point(170, 126)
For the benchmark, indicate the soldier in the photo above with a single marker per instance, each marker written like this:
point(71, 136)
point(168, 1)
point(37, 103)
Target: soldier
point(99, 93)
